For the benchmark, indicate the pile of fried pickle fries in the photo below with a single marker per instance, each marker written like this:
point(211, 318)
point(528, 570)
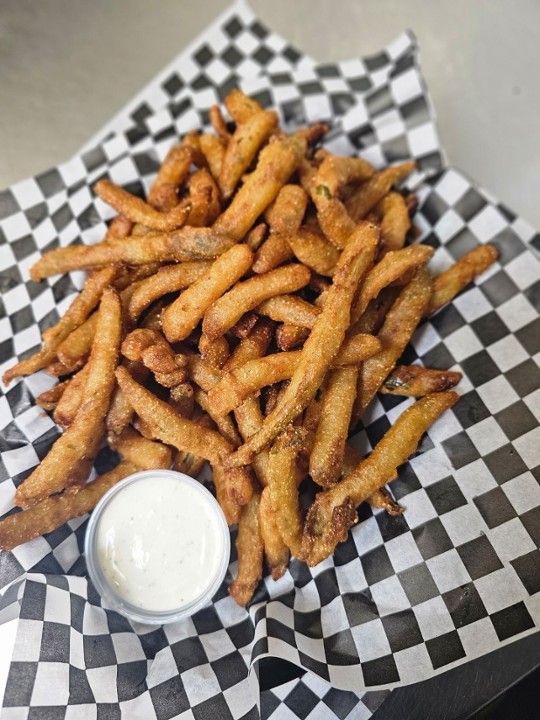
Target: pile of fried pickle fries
point(245, 314)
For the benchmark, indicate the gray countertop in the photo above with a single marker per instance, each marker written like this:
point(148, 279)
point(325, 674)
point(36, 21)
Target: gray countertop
point(67, 66)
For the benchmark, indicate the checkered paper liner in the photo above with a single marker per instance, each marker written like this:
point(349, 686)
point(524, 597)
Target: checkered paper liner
point(311, 697)
point(405, 597)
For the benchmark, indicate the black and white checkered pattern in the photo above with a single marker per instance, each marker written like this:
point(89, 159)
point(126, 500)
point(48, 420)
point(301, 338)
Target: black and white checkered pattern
point(101, 668)
point(396, 121)
point(404, 598)
point(311, 698)
point(327, 91)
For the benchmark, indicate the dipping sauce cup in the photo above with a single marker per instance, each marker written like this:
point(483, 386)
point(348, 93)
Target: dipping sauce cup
point(157, 546)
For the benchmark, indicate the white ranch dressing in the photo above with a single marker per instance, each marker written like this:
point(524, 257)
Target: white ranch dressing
point(159, 543)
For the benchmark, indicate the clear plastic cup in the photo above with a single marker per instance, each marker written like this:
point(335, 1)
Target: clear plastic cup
point(98, 574)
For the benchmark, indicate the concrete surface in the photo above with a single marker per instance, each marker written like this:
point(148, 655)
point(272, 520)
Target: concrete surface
point(66, 66)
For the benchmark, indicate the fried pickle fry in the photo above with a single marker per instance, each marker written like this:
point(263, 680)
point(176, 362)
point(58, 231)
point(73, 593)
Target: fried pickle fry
point(314, 132)
point(224, 423)
point(187, 462)
point(203, 373)
point(169, 427)
point(275, 550)
point(75, 349)
point(120, 412)
point(192, 141)
point(273, 252)
point(49, 399)
point(249, 418)
point(356, 349)
point(371, 192)
point(328, 451)
point(248, 415)
point(139, 211)
point(334, 511)
point(52, 512)
point(218, 123)
point(128, 278)
point(203, 199)
point(395, 221)
point(151, 349)
point(213, 149)
point(310, 422)
point(245, 296)
point(449, 283)
point(181, 317)
point(68, 405)
point(243, 146)
point(251, 347)
point(232, 510)
point(393, 265)
point(282, 485)
point(172, 173)
point(138, 450)
point(380, 498)
point(286, 213)
point(333, 216)
point(240, 106)
point(290, 309)
point(69, 460)
point(417, 381)
point(58, 369)
point(314, 251)
point(373, 317)
point(256, 235)
point(168, 279)
point(184, 245)
point(119, 227)
point(249, 546)
point(215, 352)
point(398, 327)
point(284, 216)
point(136, 341)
